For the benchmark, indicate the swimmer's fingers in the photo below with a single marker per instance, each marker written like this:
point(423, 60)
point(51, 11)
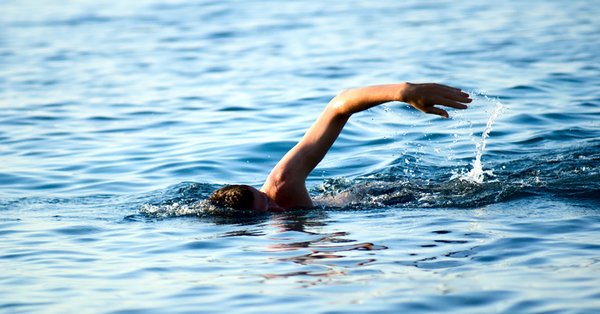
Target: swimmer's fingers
point(447, 102)
point(452, 93)
point(443, 101)
point(437, 111)
point(457, 96)
point(425, 96)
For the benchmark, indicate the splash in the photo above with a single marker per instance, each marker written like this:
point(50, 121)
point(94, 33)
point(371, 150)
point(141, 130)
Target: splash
point(171, 210)
point(477, 174)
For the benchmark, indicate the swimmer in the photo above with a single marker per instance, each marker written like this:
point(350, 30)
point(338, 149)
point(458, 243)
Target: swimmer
point(285, 187)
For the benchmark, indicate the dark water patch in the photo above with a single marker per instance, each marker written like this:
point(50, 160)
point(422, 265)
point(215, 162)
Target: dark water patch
point(18, 121)
point(7, 178)
point(181, 166)
point(314, 100)
point(554, 227)
point(201, 245)
point(461, 253)
point(589, 104)
point(117, 187)
point(50, 186)
point(40, 82)
point(565, 78)
point(451, 241)
point(328, 72)
point(472, 298)
point(193, 170)
point(173, 39)
point(217, 69)
point(219, 35)
point(527, 306)
point(34, 153)
point(58, 134)
point(117, 130)
point(78, 230)
point(72, 167)
point(5, 53)
point(163, 124)
point(56, 105)
point(279, 27)
point(570, 116)
point(16, 255)
point(58, 57)
point(75, 21)
point(47, 256)
point(193, 98)
point(590, 246)
point(506, 248)
point(240, 233)
point(189, 58)
point(236, 108)
point(274, 147)
point(103, 118)
point(534, 262)
point(24, 305)
point(526, 88)
point(526, 118)
point(86, 240)
point(123, 105)
point(439, 264)
point(7, 232)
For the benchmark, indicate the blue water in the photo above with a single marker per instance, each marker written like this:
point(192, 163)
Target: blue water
point(118, 118)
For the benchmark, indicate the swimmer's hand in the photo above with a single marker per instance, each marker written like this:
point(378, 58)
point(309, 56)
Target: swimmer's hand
point(425, 96)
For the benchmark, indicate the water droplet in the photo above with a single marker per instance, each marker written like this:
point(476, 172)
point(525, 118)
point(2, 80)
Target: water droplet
point(477, 174)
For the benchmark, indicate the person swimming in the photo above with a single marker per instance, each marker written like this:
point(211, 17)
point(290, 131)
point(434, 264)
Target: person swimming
point(285, 187)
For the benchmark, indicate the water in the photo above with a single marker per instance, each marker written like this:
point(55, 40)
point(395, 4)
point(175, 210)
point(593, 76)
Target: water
point(476, 174)
point(119, 118)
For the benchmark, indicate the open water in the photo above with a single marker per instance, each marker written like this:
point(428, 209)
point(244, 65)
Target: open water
point(117, 118)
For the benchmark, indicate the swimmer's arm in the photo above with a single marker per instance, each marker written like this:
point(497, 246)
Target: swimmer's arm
point(290, 173)
point(423, 97)
point(307, 154)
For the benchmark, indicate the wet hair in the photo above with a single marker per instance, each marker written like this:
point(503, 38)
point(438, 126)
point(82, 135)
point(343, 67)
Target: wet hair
point(238, 197)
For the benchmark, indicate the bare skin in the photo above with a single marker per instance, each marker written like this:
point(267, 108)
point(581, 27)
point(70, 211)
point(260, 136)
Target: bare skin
point(285, 188)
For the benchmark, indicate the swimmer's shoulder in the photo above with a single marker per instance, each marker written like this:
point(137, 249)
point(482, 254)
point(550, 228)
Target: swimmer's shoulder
point(288, 194)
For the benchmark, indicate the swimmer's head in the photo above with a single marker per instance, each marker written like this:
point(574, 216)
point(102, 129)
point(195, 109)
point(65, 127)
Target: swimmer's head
point(241, 197)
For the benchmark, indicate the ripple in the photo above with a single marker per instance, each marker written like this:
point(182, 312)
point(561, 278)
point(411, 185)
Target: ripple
point(118, 122)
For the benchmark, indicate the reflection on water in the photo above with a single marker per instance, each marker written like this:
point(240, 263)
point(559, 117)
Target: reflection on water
point(386, 259)
point(325, 251)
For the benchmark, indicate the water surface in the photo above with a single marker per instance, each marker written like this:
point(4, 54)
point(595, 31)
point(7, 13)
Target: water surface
point(119, 119)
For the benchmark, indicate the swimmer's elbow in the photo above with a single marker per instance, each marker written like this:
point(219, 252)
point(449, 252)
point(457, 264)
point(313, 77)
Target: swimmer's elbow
point(339, 105)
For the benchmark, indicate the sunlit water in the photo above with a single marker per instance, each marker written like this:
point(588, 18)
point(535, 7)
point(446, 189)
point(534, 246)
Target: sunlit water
point(118, 119)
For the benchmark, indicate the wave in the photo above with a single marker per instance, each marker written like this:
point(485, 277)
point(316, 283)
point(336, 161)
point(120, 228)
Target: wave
point(574, 173)
point(569, 173)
